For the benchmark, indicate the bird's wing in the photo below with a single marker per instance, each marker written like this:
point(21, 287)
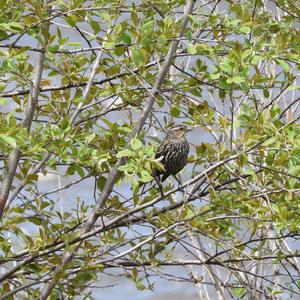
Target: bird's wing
point(160, 152)
point(161, 149)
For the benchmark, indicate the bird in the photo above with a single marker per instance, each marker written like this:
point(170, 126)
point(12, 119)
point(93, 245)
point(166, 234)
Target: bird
point(173, 152)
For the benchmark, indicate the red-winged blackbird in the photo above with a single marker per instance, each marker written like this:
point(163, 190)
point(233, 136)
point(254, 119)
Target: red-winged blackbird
point(174, 150)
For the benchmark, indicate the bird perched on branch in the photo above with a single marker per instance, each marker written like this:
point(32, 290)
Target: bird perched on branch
point(174, 150)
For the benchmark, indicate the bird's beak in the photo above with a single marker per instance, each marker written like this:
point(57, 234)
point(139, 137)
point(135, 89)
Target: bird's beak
point(188, 129)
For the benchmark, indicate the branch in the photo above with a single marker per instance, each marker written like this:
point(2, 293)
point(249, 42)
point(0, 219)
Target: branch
point(83, 84)
point(27, 121)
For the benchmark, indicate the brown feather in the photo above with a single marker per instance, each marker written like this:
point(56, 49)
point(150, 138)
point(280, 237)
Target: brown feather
point(174, 150)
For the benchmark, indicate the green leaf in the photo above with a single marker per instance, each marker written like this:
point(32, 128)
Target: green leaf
point(284, 65)
point(95, 26)
point(8, 140)
point(235, 79)
point(35, 220)
point(118, 29)
point(162, 41)
point(77, 44)
point(214, 75)
point(192, 49)
point(135, 186)
point(135, 18)
point(125, 153)
point(175, 111)
point(32, 177)
point(226, 66)
point(90, 138)
point(53, 48)
point(3, 101)
point(146, 176)
point(79, 170)
point(270, 141)
point(135, 273)
point(2, 3)
point(266, 93)
point(71, 20)
point(16, 26)
point(293, 88)
point(140, 285)
point(294, 170)
point(245, 29)
point(126, 38)
point(77, 3)
point(148, 27)
point(137, 58)
point(136, 144)
point(128, 168)
point(242, 159)
point(109, 45)
point(239, 292)
point(101, 182)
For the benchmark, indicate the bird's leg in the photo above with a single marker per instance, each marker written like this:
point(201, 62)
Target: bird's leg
point(143, 186)
point(159, 182)
point(180, 183)
point(161, 189)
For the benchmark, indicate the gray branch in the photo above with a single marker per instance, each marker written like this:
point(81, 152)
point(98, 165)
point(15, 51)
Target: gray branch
point(26, 123)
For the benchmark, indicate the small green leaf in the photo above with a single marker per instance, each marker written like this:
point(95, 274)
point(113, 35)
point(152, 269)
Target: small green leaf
point(266, 93)
point(32, 177)
point(270, 141)
point(8, 140)
point(137, 58)
point(240, 292)
point(71, 20)
point(52, 48)
point(146, 176)
point(2, 3)
point(79, 170)
point(16, 26)
point(284, 65)
point(140, 286)
point(126, 38)
point(77, 44)
point(293, 88)
point(109, 45)
point(35, 220)
point(175, 111)
point(128, 168)
point(135, 18)
point(294, 170)
point(135, 273)
point(235, 79)
point(136, 144)
point(162, 41)
point(101, 182)
point(242, 159)
point(125, 152)
point(245, 29)
point(192, 49)
point(3, 101)
point(90, 138)
point(214, 75)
